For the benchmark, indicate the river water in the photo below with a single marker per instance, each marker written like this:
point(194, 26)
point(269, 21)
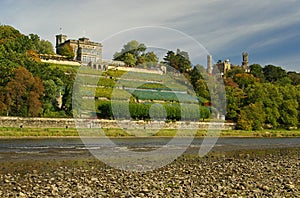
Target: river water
point(21, 149)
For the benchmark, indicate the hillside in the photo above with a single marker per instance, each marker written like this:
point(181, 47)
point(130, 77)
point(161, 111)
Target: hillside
point(139, 92)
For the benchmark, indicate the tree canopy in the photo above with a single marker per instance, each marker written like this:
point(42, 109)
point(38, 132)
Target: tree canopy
point(23, 94)
point(179, 60)
point(24, 80)
point(274, 73)
point(67, 51)
point(268, 98)
point(134, 53)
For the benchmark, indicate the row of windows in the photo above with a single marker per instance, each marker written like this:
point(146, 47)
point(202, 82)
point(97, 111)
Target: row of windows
point(88, 59)
point(91, 51)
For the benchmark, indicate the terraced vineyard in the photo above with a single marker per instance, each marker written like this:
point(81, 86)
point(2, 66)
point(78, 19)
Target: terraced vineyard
point(141, 91)
point(164, 96)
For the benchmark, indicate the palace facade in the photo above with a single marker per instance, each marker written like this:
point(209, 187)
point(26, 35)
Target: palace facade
point(85, 51)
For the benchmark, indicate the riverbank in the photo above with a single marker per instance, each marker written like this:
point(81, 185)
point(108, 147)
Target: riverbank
point(248, 173)
point(13, 132)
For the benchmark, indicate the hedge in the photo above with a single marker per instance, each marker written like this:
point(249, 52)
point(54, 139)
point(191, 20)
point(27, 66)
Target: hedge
point(148, 111)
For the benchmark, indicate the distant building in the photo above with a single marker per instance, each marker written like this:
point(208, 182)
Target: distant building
point(85, 51)
point(223, 67)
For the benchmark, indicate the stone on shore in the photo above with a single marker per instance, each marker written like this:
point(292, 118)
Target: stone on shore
point(271, 175)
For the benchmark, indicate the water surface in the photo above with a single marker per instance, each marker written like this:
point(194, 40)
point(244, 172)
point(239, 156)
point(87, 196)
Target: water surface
point(73, 147)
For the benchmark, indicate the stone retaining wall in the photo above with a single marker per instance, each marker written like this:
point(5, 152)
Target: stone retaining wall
point(97, 123)
point(36, 122)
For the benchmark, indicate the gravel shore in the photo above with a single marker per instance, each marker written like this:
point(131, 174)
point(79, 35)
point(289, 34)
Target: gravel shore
point(261, 173)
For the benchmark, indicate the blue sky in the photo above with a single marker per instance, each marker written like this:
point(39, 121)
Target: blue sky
point(268, 30)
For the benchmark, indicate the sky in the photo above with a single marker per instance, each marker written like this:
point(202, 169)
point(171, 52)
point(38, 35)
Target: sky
point(268, 30)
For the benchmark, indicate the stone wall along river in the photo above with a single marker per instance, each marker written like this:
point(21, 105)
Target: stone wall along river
point(97, 123)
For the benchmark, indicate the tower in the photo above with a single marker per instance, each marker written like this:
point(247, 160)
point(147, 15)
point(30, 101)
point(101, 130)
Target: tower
point(245, 59)
point(209, 65)
point(245, 62)
point(60, 39)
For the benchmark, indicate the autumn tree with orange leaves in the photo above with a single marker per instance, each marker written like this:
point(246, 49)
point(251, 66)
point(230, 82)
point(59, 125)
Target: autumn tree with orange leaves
point(23, 94)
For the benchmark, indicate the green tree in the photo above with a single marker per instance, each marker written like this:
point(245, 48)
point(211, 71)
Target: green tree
point(289, 107)
point(257, 71)
point(67, 51)
point(284, 81)
point(7, 32)
point(234, 71)
point(271, 98)
point(40, 46)
point(183, 53)
point(251, 117)
point(104, 110)
point(148, 59)
point(196, 73)
point(197, 77)
point(45, 47)
point(129, 59)
point(17, 49)
point(2, 100)
point(50, 99)
point(204, 112)
point(244, 79)
point(298, 101)
point(67, 92)
point(178, 61)
point(289, 113)
point(134, 48)
point(273, 73)
point(201, 89)
point(7, 68)
point(295, 77)
point(35, 39)
point(234, 97)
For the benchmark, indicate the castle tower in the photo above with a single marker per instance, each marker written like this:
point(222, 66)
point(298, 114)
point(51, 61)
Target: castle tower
point(209, 65)
point(245, 62)
point(245, 59)
point(60, 39)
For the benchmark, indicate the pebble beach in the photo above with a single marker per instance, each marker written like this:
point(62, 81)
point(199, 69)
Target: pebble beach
point(255, 173)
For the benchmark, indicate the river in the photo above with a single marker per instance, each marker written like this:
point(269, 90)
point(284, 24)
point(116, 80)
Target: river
point(54, 148)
